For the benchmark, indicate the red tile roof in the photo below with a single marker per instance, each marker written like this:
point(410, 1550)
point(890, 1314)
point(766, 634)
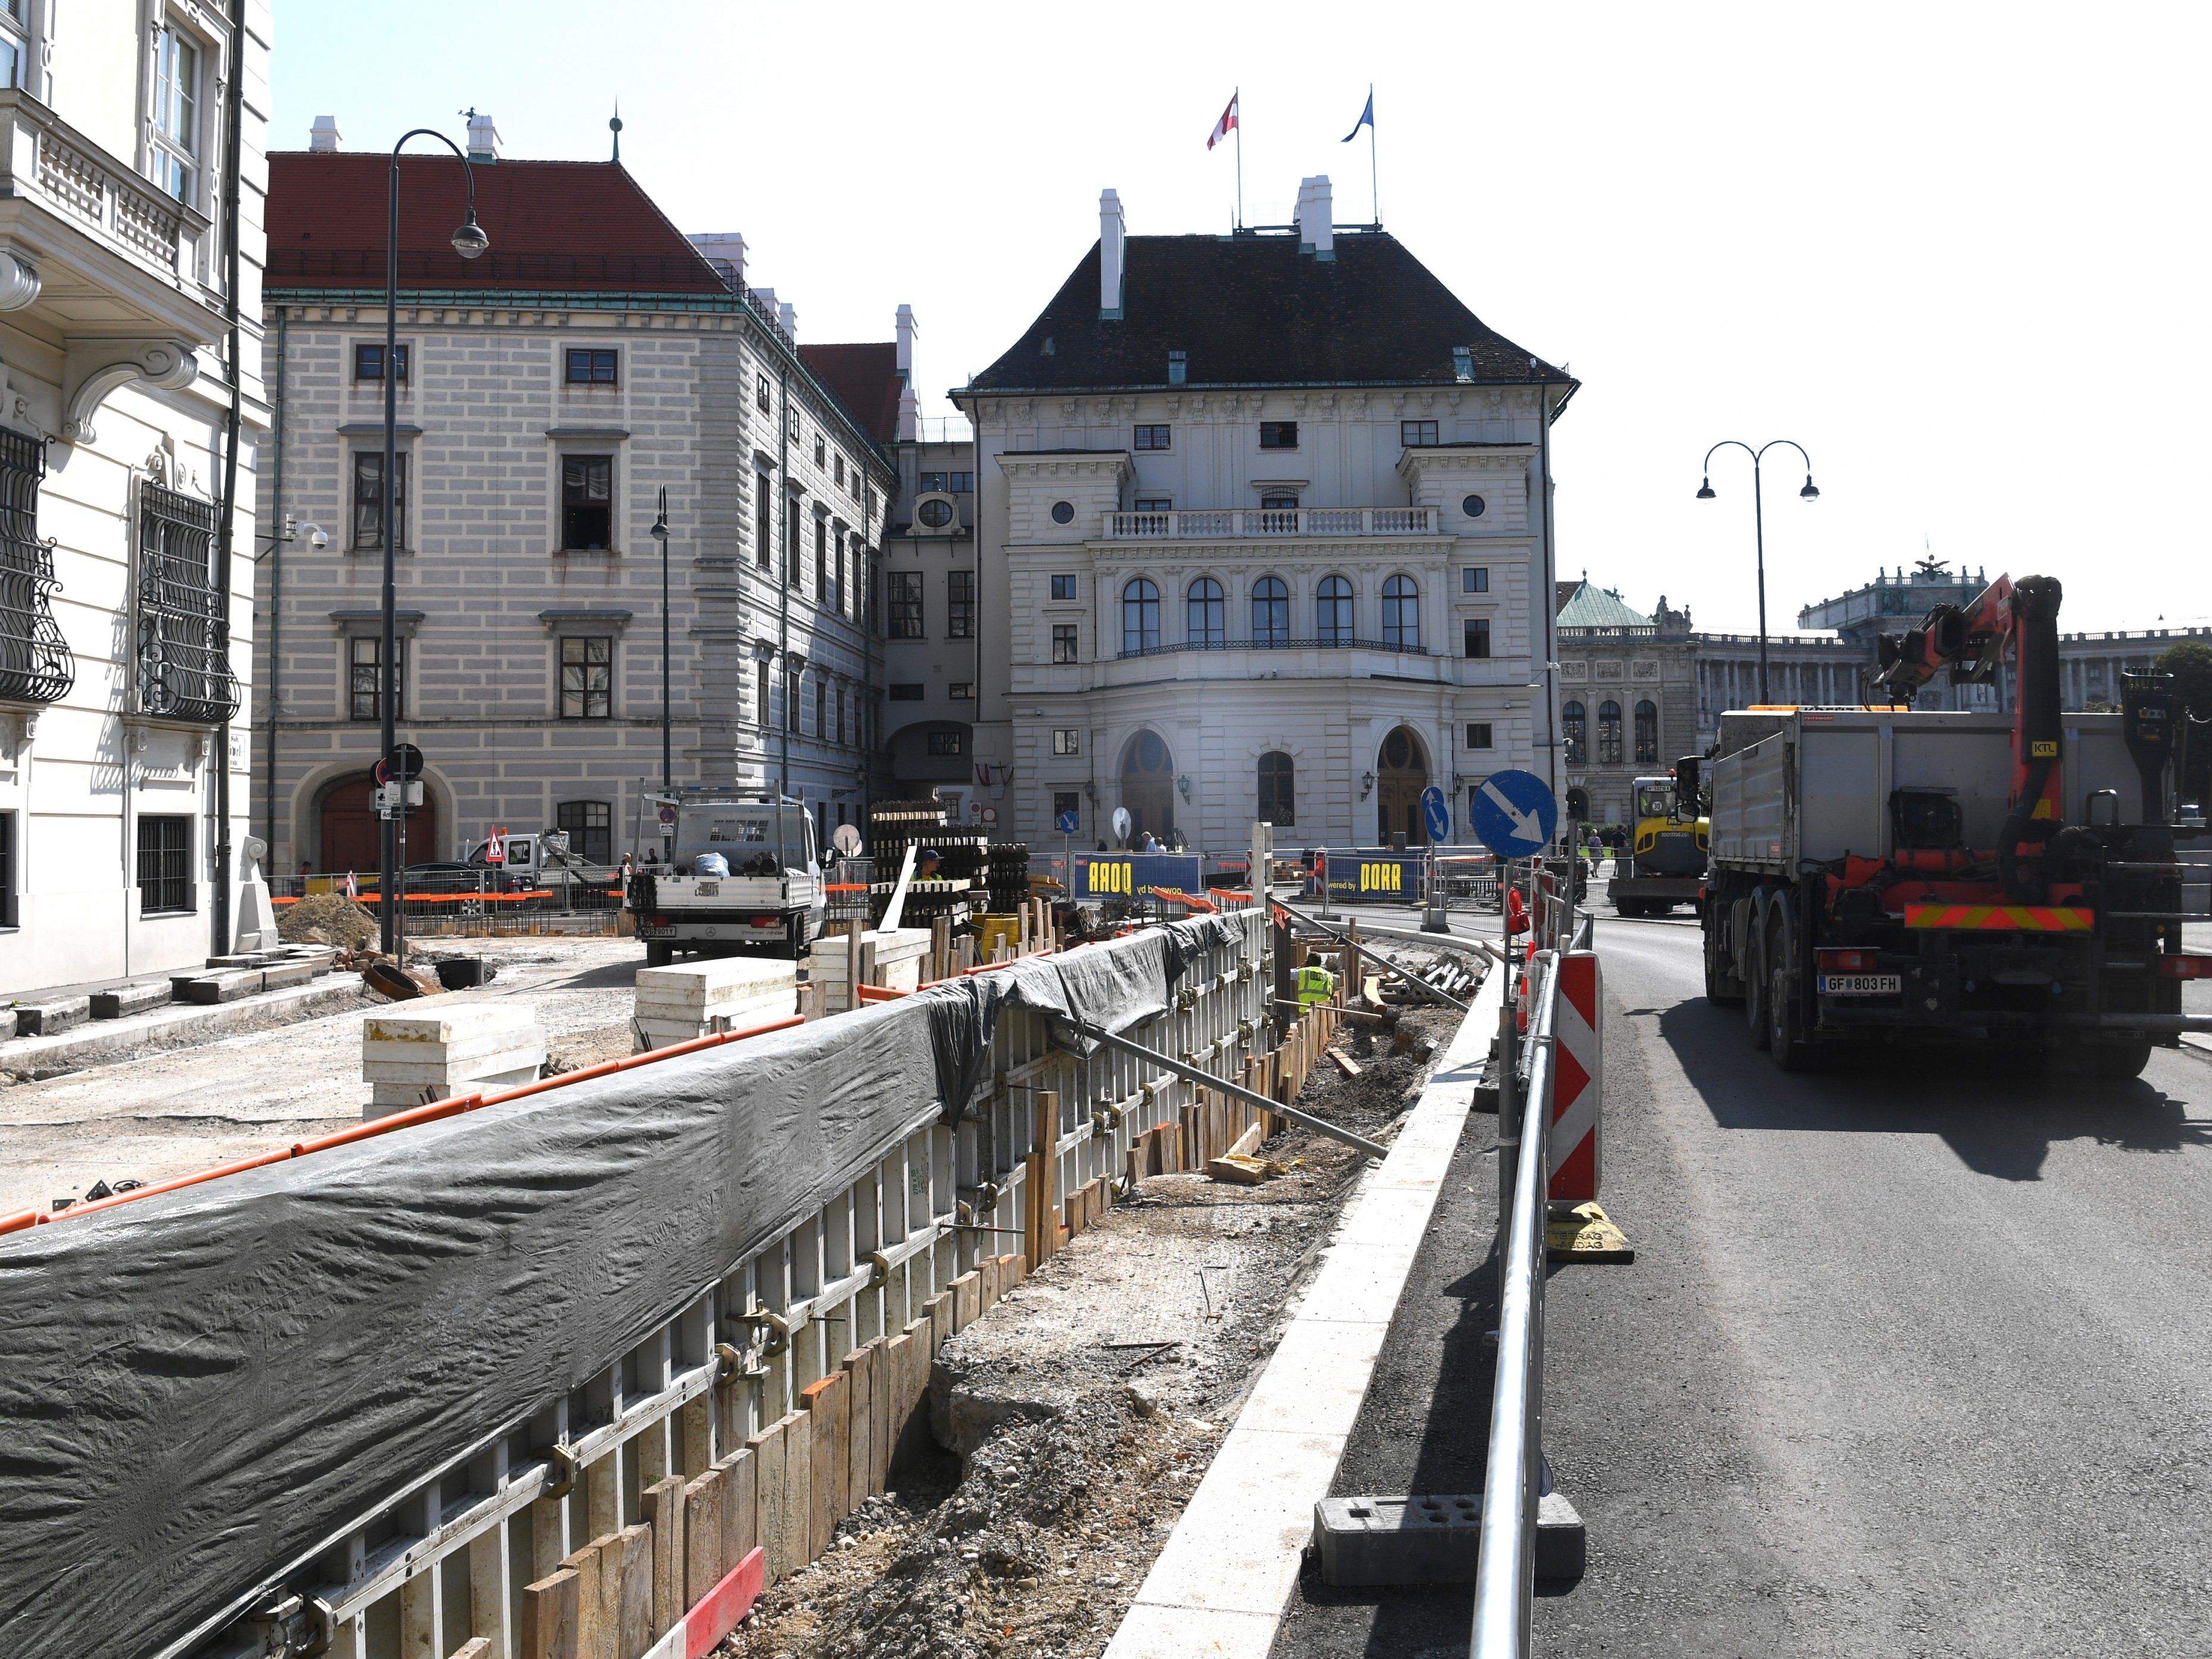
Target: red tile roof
point(569, 225)
point(865, 379)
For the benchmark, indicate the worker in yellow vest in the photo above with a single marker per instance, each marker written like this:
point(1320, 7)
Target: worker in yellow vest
point(1315, 985)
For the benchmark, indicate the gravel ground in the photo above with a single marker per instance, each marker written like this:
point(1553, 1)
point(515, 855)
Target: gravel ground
point(1088, 1452)
point(171, 1110)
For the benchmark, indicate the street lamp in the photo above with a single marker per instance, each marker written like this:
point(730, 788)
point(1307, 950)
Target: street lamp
point(660, 533)
point(469, 241)
point(1810, 493)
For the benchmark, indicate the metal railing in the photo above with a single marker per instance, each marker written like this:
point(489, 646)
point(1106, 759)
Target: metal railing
point(1241, 521)
point(1326, 642)
point(483, 903)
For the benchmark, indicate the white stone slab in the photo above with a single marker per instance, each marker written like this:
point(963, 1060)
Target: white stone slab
point(444, 1021)
point(717, 980)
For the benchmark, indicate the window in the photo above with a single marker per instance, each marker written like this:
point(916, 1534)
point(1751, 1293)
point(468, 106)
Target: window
point(1204, 622)
point(1279, 504)
point(960, 483)
point(1475, 631)
point(587, 366)
point(1140, 617)
point(959, 604)
point(590, 827)
point(1153, 437)
point(7, 914)
point(1478, 734)
point(368, 360)
point(1573, 718)
point(948, 742)
point(762, 398)
point(1063, 588)
point(840, 720)
point(1475, 579)
point(791, 679)
point(365, 677)
point(906, 604)
point(1278, 790)
point(1332, 612)
point(165, 863)
point(587, 673)
point(761, 533)
point(1462, 363)
point(1278, 434)
point(12, 46)
point(1155, 504)
point(821, 708)
point(931, 481)
point(793, 574)
point(1401, 613)
point(1271, 612)
point(1608, 733)
point(760, 694)
point(176, 114)
point(1647, 732)
point(35, 663)
point(961, 690)
point(1063, 643)
point(837, 473)
point(1063, 512)
point(934, 513)
point(821, 560)
point(1473, 506)
point(907, 690)
point(1067, 740)
point(1065, 801)
point(1417, 435)
point(1178, 367)
point(837, 601)
point(587, 506)
point(821, 452)
point(183, 627)
point(368, 498)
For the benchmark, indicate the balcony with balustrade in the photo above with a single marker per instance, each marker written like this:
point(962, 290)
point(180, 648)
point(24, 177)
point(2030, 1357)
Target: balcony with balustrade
point(1277, 523)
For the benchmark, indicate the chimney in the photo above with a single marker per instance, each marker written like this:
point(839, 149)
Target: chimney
point(483, 138)
point(1113, 238)
point(787, 315)
point(906, 332)
point(324, 135)
point(724, 247)
point(1316, 230)
point(909, 415)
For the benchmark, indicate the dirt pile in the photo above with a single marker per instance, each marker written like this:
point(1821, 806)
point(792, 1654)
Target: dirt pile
point(328, 919)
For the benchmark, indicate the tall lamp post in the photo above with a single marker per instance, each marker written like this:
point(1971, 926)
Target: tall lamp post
point(667, 746)
point(1705, 493)
point(469, 241)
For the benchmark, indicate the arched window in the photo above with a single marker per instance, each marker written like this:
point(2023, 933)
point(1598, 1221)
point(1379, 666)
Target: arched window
point(1271, 612)
point(1332, 612)
point(1647, 732)
point(1140, 617)
point(1608, 733)
point(1279, 788)
point(1576, 722)
point(1206, 623)
point(1402, 614)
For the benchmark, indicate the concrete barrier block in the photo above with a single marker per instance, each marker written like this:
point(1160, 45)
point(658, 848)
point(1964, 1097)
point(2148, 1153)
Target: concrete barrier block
point(278, 976)
point(45, 1016)
point(124, 1000)
point(1365, 1541)
point(411, 1053)
point(229, 985)
point(728, 993)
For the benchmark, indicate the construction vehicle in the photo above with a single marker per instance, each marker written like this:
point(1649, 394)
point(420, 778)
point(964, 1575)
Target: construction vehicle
point(1667, 853)
point(1884, 875)
point(743, 875)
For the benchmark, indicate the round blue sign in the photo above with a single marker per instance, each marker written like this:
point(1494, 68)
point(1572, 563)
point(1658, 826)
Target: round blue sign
point(1513, 813)
point(1435, 814)
point(1069, 822)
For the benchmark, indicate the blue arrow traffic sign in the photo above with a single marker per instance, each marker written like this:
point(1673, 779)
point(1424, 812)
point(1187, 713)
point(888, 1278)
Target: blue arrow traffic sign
point(1513, 813)
point(1069, 822)
point(1436, 814)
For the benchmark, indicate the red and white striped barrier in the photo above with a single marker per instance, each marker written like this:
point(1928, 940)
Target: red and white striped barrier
point(700, 1630)
point(1577, 1067)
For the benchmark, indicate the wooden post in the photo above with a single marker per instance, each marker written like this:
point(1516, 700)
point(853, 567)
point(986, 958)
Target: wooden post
point(853, 931)
point(1044, 1199)
point(548, 1617)
point(940, 948)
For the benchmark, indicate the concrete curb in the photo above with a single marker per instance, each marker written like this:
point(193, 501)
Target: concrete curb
point(1220, 1585)
point(179, 1025)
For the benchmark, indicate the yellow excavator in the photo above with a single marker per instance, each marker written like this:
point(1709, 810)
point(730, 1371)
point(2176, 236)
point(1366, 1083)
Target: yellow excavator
point(1667, 855)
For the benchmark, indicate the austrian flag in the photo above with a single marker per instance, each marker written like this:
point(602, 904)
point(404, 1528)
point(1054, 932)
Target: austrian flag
point(1221, 128)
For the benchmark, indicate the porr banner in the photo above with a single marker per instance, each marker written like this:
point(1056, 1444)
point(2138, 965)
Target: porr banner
point(1136, 875)
point(1357, 875)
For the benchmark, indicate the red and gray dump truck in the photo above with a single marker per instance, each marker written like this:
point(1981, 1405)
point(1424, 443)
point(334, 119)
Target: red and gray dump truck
point(1886, 875)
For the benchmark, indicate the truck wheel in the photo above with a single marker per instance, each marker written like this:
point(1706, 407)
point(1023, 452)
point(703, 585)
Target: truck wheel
point(1784, 1037)
point(1755, 988)
point(1717, 990)
point(658, 953)
point(2117, 1062)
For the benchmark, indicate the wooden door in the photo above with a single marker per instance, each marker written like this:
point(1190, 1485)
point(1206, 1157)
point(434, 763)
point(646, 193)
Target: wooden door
point(1401, 773)
point(1148, 786)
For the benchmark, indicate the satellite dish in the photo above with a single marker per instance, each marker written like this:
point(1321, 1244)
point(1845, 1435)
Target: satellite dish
point(1122, 823)
point(847, 839)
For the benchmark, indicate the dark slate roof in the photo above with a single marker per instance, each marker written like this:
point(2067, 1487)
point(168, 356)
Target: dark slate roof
point(566, 226)
point(1561, 593)
point(1254, 311)
point(865, 379)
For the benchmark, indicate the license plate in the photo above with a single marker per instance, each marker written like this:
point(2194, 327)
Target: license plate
point(1860, 985)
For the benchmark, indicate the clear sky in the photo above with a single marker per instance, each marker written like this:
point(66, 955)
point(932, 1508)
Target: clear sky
point(1957, 251)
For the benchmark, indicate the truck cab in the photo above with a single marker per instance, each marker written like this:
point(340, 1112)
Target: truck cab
point(743, 875)
point(1665, 862)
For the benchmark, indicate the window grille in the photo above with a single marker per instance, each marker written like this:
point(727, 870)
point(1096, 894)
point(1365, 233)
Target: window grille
point(183, 635)
point(35, 663)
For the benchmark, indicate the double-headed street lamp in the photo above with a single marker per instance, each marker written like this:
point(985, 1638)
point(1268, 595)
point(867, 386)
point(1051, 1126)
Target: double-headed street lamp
point(469, 241)
point(1705, 493)
point(660, 533)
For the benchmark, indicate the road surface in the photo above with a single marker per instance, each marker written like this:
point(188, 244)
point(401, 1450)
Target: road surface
point(1912, 1359)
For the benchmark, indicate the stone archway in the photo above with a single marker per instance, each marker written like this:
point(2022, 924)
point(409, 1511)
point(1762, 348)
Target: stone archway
point(1148, 786)
point(349, 834)
point(1401, 772)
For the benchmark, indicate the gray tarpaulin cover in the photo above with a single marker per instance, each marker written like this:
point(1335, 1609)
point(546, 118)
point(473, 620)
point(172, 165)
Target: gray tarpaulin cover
point(198, 1387)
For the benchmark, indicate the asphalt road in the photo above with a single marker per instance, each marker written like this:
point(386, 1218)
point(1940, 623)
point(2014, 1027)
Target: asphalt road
point(1913, 1358)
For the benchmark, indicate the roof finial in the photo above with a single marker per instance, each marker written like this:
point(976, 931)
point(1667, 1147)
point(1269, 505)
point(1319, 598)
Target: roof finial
point(615, 127)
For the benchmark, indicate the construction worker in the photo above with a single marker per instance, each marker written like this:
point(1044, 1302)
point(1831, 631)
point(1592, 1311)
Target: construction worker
point(1316, 984)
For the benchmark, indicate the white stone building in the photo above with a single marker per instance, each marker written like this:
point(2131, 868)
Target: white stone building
point(550, 391)
point(124, 631)
point(1260, 520)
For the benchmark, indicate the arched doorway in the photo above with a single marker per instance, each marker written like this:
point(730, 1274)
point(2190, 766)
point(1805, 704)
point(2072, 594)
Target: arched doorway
point(1148, 786)
point(1401, 772)
point(350, 837)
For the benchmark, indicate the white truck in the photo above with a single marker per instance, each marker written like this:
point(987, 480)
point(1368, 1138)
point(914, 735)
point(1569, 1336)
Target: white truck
point(743, 875)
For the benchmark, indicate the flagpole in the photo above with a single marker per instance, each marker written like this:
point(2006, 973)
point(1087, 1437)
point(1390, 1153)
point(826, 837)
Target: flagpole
point(1237, 98)
point(1374, 175)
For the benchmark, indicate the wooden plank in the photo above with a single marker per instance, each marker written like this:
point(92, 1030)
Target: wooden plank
point(939, 1309)
point(702, 1536)
point(603, 1495)
point(859, 1418)
point(488, 1565)
point(595, 1620)
point(828, 1408)
point(1246, 1143)
point(883, 1407)
point(1044, 1196)
point(633, 1556)
point(698, 1437)
point(797, 1509)
point(548, 1617)
point(740, 1506)
point(967, 1300)
point(988, 1267)
point(769, 1468)
point(898, 1404)
point(477, 1647)
point(661, 1508)
point(1033, 1209)
point(1345, 1063)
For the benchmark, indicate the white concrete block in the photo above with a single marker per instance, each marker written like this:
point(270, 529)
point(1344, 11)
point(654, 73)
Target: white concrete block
point(902, 954)
point(716, 981)
point(443, 1047)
